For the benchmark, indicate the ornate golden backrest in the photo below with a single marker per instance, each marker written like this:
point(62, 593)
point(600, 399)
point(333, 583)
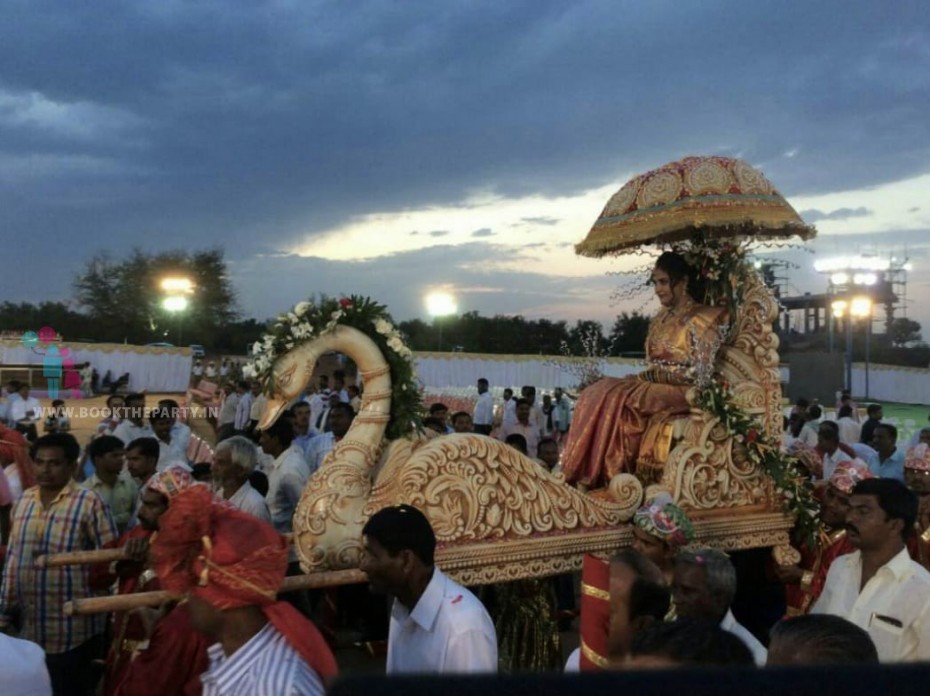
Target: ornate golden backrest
point(749, 359)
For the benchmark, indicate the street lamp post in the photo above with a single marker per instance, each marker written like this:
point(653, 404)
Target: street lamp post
point(176, 305)
point(861, 307)
point(840, 311)
point(439, 305)
point(176, 289)
point(848, 310)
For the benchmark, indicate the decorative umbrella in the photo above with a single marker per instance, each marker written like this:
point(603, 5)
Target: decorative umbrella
point(715, 196)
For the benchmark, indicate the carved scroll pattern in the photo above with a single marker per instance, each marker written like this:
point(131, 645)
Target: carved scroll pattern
point(709, 469)
point(474, 488)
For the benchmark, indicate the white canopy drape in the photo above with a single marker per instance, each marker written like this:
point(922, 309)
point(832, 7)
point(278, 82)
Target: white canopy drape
point(150, 368)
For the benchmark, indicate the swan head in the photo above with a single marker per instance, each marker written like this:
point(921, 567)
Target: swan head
point(289, 378)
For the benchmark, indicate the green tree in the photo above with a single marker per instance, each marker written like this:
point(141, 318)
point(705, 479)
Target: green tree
point(70, 325)
point(628, 334)
point(123, 299)
point(904, 332)
point(586, 337)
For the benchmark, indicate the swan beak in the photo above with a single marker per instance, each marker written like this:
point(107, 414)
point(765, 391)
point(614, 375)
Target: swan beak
point(273, 411)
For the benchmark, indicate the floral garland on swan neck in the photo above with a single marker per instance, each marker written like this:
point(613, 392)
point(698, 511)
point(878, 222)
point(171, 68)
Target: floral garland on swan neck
point(309, 320)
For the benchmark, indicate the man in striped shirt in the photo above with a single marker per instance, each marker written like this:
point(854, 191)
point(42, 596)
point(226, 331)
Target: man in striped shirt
point(231, 570)
point(56, 516)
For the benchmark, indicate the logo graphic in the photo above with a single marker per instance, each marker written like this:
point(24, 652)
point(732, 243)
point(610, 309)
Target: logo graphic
point(57, 364)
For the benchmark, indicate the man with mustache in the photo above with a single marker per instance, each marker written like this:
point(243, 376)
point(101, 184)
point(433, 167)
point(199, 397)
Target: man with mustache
point(879, 588)
point(56, 516)
point(804, 582)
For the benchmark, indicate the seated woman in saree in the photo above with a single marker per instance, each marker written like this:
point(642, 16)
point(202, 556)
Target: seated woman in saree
point(612, 414)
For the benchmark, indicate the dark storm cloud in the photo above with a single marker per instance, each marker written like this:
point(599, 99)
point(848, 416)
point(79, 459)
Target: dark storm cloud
point(814, 215)
point(167, 125)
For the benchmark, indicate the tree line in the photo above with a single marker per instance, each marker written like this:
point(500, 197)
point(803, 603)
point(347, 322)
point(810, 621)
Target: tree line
point(121, 301)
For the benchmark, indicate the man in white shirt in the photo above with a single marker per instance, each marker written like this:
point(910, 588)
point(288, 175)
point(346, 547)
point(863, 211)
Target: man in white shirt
point(339, 386)
point(797, 433)
point(303, 433)
point(850, 429)
point(703, 587)
point(318, 400)
point(133, 425)
point(259, 404)
point(537, 418)
point(437, 626)
point(180, 432)
point(563, 413)
point(234, 461)
point(339, 421)
point(286, 482)
point(226, 420)
point(483, 418)
point(508, 408)
point(321, 424)
point(171, 451)
point(287, 478)
point(523, 426)
point(879, 588)
point(24, 407)
point(828, 442)
point(22, 664)
point(243, 423)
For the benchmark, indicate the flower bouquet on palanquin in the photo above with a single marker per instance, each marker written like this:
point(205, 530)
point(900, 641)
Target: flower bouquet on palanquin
point(310, 319)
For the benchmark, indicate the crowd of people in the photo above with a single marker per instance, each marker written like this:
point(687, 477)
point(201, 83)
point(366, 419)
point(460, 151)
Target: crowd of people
point(219, 536)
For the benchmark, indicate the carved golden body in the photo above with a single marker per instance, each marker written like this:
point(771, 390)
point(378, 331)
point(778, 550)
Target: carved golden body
point(497, 514)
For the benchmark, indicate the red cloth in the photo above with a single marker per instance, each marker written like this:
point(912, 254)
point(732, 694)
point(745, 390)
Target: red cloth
point(171, 664)
point(800, 599)
point(231, 559)
point(595, 612)
point(6, 496)
point(15, 449)
point(127, 629)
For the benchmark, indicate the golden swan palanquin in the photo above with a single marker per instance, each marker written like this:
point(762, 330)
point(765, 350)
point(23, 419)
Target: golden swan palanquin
point(497, 514)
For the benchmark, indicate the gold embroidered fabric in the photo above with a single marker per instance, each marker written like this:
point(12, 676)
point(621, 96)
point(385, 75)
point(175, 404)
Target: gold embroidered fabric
point(612, 414)
point(718, 196)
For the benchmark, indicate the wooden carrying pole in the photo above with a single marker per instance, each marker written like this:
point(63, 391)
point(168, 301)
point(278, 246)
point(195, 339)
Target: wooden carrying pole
point(136, 600)
point(56, 560)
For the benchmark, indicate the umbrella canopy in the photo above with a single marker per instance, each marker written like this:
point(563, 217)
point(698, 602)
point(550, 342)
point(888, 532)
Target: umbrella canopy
point(716, 196)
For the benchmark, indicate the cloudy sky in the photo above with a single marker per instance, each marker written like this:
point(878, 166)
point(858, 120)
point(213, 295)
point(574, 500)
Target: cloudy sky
point(393, 148)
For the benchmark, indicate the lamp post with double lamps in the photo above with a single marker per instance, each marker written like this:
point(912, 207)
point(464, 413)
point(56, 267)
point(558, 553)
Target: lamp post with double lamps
point(852, 282)
point(858, 307)
point(177, 289)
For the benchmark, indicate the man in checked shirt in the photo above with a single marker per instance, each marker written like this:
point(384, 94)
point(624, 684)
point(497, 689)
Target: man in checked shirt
point(56, 516)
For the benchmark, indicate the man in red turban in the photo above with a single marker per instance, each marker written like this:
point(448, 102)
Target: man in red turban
point(231, 565)
point(144, 641)
point(804, 581)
